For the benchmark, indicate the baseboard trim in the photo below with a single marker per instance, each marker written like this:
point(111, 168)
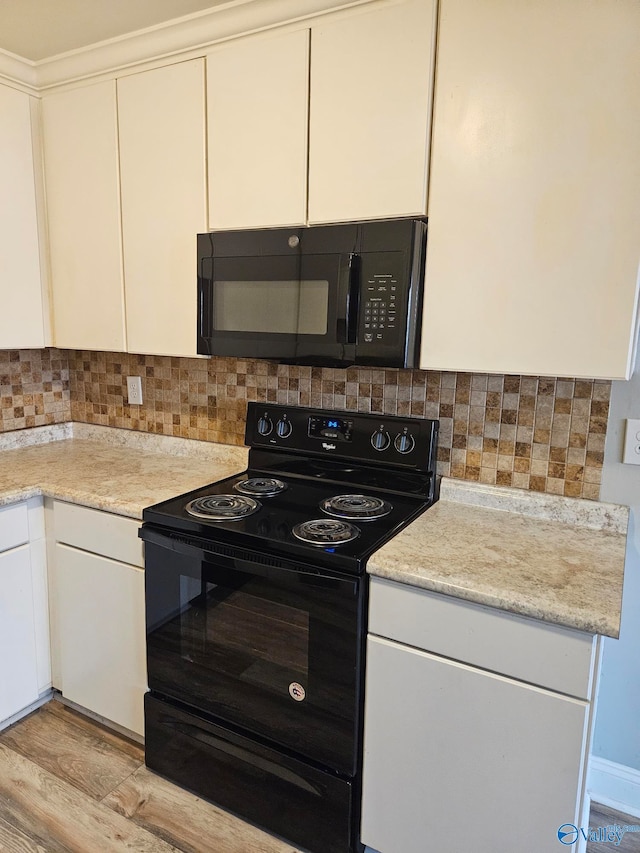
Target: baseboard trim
point(108, 724)
point(614, 785)
point(42, 699)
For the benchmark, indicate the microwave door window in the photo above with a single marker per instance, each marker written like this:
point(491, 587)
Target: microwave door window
point(283, 308)
point(288, 307)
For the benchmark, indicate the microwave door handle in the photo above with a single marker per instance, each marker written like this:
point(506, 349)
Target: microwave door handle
point(203, 325)
point(353, 300)
point(205, 297)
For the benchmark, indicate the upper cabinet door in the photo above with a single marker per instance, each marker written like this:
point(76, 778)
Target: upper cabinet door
point(21, 320)
point(163, 185)
point(371, 85)
point(257, 95)
point(534, 201)
point(81, 175)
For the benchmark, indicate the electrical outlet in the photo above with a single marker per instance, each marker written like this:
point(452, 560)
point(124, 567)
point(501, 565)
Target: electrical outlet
point(134, 389)
point(631, 453)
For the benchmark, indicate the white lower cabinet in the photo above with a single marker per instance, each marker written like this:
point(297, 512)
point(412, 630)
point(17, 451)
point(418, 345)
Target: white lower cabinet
point(18, 668)
point(461, 758)
point(24, 650)
point(99, 607)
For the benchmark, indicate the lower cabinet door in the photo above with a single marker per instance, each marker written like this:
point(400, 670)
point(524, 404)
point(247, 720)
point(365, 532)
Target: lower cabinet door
point(458, 758)
point(100, 605)
point(18, 662)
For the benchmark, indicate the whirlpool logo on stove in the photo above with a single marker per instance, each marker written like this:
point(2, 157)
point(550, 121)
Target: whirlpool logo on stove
point(297, 691)
point(328, 446)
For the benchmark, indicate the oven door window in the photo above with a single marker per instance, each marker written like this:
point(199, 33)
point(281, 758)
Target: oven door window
point(272, 651)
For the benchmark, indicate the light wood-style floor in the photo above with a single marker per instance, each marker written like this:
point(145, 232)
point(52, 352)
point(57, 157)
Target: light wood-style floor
point(69, 785)
point(603, 816)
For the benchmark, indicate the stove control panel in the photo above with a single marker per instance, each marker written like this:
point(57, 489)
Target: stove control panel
point(380, 439)
point(331, 427)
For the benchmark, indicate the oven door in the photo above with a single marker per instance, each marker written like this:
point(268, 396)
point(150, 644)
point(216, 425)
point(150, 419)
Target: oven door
point(272, 647)
point(293, 308)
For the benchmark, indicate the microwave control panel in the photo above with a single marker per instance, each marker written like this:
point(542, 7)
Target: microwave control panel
point(383, 298)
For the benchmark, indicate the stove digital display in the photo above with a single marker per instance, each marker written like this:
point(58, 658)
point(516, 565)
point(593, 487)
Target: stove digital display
point(334, 429)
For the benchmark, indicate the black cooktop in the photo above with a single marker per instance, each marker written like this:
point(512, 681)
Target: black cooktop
point(270, 528)
point(380, 466)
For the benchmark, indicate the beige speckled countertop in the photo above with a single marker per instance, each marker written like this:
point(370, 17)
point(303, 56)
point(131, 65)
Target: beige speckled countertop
point(556, 559)
point(110, 469)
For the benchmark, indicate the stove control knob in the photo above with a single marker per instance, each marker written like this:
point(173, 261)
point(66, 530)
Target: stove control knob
point(284, 428)
point(265, 425)
point(380, 439)
point(404, 442)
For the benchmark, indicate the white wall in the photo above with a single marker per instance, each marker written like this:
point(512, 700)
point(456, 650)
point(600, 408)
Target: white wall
point(617, 730)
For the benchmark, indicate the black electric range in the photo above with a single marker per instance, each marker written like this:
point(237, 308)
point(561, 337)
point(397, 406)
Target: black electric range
point(256, 605)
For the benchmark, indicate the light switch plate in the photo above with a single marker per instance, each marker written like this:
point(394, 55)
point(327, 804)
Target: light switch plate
point(134, 390)
point(631, 454)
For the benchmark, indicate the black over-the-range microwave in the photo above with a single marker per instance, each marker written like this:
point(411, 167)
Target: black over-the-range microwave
point(332, 295)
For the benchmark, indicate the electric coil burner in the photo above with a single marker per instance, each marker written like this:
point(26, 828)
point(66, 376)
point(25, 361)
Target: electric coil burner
point(256, 612)
point(265, 487)
point(362, 507)
point(222, 507)
point(325, 531)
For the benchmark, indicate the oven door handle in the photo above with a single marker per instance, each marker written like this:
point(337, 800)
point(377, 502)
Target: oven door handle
point(256, 565)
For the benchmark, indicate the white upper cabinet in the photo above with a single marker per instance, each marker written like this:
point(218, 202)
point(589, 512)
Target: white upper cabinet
point(81, 168)
point(22, 321)
point(370, 112)
point(161, 116)
point(365, 99)
point(257, 95)
point(534, 199)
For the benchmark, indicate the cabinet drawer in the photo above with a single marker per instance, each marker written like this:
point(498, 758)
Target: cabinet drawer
point(536, 652)
point(14, 526)
point(104, 533)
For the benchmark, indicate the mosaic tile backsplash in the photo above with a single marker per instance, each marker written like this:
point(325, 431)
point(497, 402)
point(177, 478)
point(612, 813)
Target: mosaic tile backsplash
point(537, 433)
point(34, 388)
